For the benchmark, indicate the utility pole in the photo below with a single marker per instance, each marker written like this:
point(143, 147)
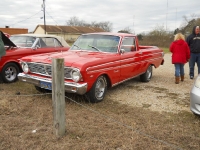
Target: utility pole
point(44, 17)
point(133, 25)
point(166, 15)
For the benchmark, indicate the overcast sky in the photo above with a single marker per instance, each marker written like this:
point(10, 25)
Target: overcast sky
point(140, 16)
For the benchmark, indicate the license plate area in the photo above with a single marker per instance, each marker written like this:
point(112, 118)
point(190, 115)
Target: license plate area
point(46, 85)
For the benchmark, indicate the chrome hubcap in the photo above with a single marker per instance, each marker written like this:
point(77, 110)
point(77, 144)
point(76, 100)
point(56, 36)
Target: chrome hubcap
point(10, 73)
point(100, 88)
point(149, 71)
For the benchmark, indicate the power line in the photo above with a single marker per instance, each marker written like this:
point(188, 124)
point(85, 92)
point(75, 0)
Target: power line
point(26, 18)
point(166, 15)
point(52, 18)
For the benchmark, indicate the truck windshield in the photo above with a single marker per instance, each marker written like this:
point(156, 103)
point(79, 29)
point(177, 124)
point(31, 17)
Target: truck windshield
point(96, 42)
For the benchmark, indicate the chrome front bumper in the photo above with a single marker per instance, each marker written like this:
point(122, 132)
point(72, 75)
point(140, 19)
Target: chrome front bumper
point(69, 86)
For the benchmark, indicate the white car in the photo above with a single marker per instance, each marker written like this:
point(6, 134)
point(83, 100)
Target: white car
point(195, 97)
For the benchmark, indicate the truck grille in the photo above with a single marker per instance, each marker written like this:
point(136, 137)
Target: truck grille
point(45, 70)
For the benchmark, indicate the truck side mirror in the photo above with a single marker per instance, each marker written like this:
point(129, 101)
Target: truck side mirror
point(122, 51)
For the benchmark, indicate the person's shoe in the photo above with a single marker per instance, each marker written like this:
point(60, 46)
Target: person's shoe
point(177, 80)
point(182, 78)
point(191, 77)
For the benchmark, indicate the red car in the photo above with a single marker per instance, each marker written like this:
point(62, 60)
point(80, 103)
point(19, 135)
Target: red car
point(95, 62)
point(21, 45)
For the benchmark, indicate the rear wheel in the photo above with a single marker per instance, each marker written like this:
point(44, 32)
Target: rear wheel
point(98, 90)
point(146, 77)
point(9, 72)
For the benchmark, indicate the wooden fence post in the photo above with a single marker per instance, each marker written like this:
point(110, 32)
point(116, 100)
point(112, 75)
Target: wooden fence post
point(58, 97)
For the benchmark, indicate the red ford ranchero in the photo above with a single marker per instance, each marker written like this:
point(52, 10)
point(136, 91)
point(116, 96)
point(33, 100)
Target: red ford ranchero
point(94, 63)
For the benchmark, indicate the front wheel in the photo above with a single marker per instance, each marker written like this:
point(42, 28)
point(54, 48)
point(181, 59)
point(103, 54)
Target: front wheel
point(146, 77)
point(9, 72)
point(98, 90)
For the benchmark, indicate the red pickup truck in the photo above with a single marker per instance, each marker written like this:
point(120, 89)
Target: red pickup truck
point(94, 63)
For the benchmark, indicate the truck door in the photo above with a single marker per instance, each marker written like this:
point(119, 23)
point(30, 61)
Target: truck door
point(130, 59)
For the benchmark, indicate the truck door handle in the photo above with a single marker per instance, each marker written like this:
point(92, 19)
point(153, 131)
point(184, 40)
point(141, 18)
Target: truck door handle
point(116, 70)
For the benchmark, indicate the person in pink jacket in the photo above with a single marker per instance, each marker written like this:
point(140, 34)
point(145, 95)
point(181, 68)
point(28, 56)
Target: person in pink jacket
point(180, 55)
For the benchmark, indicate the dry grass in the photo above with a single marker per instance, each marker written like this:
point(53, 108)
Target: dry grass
point(111, 125)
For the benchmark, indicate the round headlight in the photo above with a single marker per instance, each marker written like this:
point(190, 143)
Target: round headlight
point(76, 76)
point(25, 67)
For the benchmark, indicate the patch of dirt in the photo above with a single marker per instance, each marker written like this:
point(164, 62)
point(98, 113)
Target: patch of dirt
point(161, 94)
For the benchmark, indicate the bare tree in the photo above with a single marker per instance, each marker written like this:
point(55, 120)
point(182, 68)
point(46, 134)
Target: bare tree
point(140, 37)
point(126, 30)
point(158, 36)
point(159, 30)
point(188, 24)
point(74, 21)
point(107, 26)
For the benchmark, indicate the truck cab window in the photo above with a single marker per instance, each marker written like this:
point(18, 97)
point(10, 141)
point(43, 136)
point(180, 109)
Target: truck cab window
point(128, 44)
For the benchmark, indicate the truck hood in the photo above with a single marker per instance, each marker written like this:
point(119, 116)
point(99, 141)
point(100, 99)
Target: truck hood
point(71, 58)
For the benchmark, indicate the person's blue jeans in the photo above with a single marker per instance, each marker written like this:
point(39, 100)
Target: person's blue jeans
point(194, 57)
point(179, 69)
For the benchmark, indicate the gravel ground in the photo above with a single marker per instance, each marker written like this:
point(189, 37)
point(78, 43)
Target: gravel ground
point(160, 94)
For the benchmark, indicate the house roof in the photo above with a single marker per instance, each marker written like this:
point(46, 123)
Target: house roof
point(12, 31)
point(69, 29)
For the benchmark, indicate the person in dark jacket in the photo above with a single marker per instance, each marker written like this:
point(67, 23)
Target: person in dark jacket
point(180, 55)
point(193, 41)
point(2, 48)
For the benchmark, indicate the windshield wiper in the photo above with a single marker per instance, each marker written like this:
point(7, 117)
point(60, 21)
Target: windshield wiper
point(77, 46)
point(95, 48)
